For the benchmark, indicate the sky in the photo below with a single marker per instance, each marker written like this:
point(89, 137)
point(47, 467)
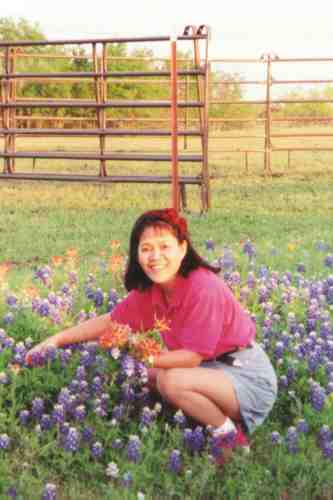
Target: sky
point(239, 28)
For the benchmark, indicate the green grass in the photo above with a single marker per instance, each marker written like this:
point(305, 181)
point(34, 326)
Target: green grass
point(284, 216)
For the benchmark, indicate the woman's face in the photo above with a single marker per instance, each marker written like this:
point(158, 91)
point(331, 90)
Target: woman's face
point(160, 254)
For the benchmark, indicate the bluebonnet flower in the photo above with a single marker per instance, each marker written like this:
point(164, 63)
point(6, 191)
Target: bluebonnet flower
point(99, 297)
point(4, 441)
point(328, 261)
point(11, 301)
point(292, 440)
point(80, 413)
point(97, 449)
point(301, 268)
point(276, 437)
point(127, 393)
point(317, 396)
point(175, 464)
point(113, 299)
point(128, 365)
point(89, 292)
point(45, 422)
point(134, 449)
point(180, 419)
point(209, 244)
point(58, 414)
point(141, 372)
point(44, 308)
point(283, 381)
point(72, 440)
point(147, 416)
point(194, 440)
point(37, 407)
point(24, 417)
point(97, 384)
point(88, 434)
point(8, 318)
point(302, 426)
point(327, 449)
point(65, 356)
point(49, 492)
point(325, 434)
point(329, 388)
point(248, 249)
point(226, 261)
point(44, 274)
point(117, 444)
point(12, 492)
point(127, 480)
point(118, 411)
point(65, 289)
point(81, 373)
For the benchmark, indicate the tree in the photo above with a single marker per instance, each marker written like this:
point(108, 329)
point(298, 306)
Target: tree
point(20, 30)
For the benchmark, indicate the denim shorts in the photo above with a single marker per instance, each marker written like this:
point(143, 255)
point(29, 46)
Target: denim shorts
point(254, 381)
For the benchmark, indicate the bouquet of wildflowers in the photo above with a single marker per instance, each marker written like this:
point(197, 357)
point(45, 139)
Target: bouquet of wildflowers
point(141, 345)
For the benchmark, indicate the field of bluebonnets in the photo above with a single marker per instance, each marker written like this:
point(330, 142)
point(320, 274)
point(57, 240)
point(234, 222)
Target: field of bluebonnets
point(82, 423)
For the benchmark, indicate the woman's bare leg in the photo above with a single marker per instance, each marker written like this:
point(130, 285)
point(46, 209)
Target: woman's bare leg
point(202, 393)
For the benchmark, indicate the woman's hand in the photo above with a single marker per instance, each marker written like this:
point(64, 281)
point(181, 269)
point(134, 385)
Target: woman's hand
point(41, 349)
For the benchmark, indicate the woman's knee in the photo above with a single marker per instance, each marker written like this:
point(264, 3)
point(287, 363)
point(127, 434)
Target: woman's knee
point(168, 384)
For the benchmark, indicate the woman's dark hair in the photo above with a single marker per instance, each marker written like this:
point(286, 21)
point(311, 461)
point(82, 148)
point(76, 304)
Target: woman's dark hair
point(135, 277)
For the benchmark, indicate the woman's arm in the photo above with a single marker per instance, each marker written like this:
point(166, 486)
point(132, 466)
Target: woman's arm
point(180, 358)
point(91, 329)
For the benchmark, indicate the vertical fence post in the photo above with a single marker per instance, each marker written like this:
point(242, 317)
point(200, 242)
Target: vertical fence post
point(268, 144)
point(103, 69)
point(12, 118)
point(174, 127)
point(187, 94)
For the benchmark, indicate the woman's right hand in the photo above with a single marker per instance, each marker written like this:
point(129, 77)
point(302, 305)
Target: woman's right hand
point(41, 349)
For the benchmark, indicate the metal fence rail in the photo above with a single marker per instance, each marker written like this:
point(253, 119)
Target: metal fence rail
point(199, 75)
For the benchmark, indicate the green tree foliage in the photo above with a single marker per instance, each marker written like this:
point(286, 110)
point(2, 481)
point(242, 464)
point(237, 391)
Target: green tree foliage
point(11, 30)
point(313, 109)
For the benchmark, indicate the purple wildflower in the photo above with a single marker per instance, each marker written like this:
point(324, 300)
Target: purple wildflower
point(113, 299)
point(317, 396)
point(24, 416)
point(88, 434)
point(328, 261)
point(4, 441)
point(127, 479)
point(302, 426)
point(209, 244)
point(72, 440)
point(37, 407)
point(97, 449)
point(134, 449)
point(49, 492)
point(292, 440)
point(180, 419)
point(8, 318)
point(276, 437)
point(175, 464)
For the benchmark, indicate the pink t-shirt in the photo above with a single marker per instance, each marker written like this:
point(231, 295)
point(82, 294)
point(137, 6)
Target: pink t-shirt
point(203, 315)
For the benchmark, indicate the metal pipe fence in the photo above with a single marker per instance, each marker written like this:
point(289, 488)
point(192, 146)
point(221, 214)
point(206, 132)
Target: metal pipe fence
point(201, 71)
point(11, 104)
